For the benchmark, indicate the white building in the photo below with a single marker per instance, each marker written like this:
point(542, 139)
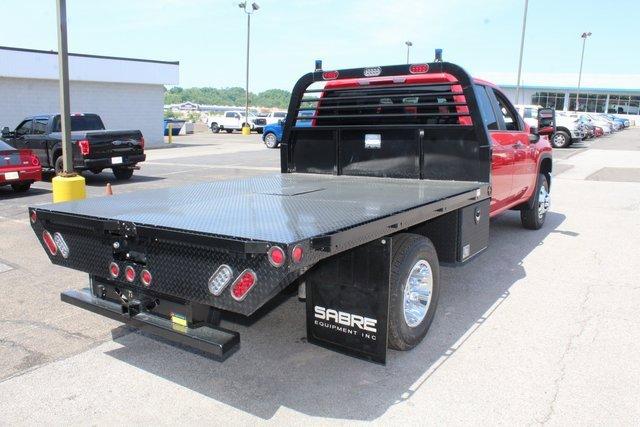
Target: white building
point(599, 93)
point(127, 93)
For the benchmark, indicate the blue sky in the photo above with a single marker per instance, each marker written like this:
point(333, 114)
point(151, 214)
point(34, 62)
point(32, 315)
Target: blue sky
point(208, 36)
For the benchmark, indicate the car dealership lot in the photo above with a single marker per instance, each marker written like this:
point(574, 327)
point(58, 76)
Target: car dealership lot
point(542, 327)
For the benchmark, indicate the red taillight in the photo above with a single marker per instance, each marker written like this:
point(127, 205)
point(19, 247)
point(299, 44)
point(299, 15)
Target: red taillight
point(35, 161)
point(330, 75)
point(243, 285)
point(85, 147)
point(33, 216)
point(48, 241)
point(114, 270)
point(145, 277)
point(129, 274)
point(276, 256)
point(296, 253)
point(141, 140)
point(418, 68)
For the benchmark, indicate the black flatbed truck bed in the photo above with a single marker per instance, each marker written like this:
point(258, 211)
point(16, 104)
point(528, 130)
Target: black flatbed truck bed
point(336, 200)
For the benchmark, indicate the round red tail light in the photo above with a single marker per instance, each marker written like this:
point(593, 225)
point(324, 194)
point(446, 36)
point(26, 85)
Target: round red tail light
point(276, 256)
point(243, 284)
point(48, 241)
point(129, 274)
point(114, 270)
point(35, 161)
point(146, 277)
point(297, 253)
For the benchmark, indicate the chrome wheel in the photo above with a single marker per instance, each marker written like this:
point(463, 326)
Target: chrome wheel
point(270, 140)
point(417, 293)
point(544, 201)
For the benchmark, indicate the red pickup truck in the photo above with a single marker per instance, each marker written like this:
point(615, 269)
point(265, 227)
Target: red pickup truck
point(386, 172)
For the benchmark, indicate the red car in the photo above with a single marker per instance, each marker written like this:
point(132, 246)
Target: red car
point(18, 168)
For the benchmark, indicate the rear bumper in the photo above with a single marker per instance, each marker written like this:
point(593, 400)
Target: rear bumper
point(105, 163)
point(219, 343)
point(24, 175)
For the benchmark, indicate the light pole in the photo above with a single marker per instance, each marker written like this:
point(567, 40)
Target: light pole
point(409, 44)
point(584, 41)
point(524, 26)
point(248, 9)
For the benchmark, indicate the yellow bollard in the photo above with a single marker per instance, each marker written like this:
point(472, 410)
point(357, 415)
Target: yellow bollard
point(170, 133)
point(66, 188)
point(246, 130)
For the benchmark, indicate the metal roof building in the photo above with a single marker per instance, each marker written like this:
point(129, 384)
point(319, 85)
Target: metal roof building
point(599, 93)
point(127, 93)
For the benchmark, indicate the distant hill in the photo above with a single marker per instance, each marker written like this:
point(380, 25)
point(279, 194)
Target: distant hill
point(272, 98)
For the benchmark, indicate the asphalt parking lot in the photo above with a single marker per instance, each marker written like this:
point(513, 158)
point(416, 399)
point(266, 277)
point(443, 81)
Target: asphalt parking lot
point(543, 328)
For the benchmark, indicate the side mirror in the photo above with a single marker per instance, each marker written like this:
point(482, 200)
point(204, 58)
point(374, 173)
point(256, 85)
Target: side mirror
point(546, 121)
point(534, 136)
point(5, 131)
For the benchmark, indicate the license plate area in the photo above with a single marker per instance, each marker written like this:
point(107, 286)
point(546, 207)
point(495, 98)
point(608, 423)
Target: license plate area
point(10, 176)
point(116, 160)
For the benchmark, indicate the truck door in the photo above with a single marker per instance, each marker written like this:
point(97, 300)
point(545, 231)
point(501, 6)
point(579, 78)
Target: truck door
point(22, 132)
point(37, 140)
point(502, 152)
point(515, 132)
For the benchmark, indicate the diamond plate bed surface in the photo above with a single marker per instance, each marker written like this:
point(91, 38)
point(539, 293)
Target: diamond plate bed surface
point(282, 208)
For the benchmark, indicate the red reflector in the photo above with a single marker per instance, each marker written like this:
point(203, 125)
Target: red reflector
point(114, 270)
point(243, 285)
point(296, 253)
point(85, 148)
point(48, 241)
point(276, 256)
point(33, 217)
point(129, 274)
point(146, 277)
point(330, 75)
point(418, 68)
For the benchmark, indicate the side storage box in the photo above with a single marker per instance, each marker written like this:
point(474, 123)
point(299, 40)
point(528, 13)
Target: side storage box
point(473, 231)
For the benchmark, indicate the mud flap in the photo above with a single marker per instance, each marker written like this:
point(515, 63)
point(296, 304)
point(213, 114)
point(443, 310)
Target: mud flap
point(348, 301)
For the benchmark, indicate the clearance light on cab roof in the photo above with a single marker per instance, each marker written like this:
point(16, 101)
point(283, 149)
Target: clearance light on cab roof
point(418, 68)
point(330, 75)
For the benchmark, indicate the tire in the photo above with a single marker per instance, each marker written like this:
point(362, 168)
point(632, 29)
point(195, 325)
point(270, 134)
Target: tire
point(229, 130)
point(533, 218)
point(21, 187)
point(58, 165)
point(561, 139)
point(409, 251)
point(270, 140)
point(122, 173)
point(215, 128)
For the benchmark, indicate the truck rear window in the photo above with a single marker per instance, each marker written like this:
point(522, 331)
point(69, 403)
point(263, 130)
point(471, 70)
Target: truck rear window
point(418, 103)
point(81, 122)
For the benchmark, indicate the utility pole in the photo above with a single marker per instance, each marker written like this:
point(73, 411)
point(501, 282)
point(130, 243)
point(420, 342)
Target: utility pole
point(67, 185)
point(524, 26)
point(246, 129)
point(409, 44)
point(584, 42)
point(63, 68)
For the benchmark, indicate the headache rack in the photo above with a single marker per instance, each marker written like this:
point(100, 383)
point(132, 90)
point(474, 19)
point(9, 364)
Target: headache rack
point(418, 121)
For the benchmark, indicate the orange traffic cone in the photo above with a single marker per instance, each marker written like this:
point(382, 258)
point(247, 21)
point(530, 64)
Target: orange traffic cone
point(109, 191)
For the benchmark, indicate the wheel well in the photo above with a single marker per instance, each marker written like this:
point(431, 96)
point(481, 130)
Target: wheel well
point(563, 129)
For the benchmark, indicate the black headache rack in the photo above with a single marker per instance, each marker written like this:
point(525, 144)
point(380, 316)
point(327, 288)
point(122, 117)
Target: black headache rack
point(334, 195)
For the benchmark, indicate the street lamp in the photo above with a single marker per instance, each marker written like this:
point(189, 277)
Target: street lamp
point(584, 41)
point(524, 26)
point(248, 9)
point(409, 44)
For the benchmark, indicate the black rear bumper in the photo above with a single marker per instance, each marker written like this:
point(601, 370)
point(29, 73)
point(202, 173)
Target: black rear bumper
point(105, 163)
point(217, 342)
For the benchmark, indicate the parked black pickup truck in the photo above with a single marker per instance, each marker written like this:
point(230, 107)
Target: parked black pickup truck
point(94, 147)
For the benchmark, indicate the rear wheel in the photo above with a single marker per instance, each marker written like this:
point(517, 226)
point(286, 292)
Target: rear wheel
point(414, 290)
point(21, 187)
point(122, 173)
point(561, 139)
point(270, 140)
point(533, 218)
point(215, 128)
point(58, 165)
